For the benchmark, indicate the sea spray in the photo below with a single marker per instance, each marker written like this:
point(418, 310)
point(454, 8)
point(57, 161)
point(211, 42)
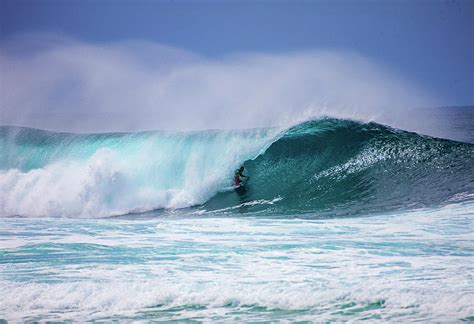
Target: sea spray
point(96, 175)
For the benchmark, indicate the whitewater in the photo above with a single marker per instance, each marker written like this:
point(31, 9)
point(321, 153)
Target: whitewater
point(342, 220)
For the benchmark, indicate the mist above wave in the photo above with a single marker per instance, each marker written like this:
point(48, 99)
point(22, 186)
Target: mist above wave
point(65, 84)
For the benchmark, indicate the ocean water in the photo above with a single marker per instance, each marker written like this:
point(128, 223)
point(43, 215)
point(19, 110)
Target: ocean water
point(341, 221)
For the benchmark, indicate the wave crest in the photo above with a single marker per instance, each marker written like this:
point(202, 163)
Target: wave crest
point(323, 166)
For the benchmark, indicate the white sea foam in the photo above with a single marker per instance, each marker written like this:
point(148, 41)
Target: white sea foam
point(245, 204)
point(164, 171)
point(408, 267)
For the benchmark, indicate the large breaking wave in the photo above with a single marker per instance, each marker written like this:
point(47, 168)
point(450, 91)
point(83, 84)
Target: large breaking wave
point(322, 166)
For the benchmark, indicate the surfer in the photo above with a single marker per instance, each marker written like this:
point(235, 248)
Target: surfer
point(238, 179)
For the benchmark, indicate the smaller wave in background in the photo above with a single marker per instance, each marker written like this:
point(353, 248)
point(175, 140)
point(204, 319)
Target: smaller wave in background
point(454, 123)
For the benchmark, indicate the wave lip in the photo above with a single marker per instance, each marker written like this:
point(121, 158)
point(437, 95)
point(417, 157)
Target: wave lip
point(325, 166)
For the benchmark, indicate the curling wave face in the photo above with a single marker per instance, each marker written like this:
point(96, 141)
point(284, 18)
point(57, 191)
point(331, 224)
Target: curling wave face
point(323, 166)
point(344, 167)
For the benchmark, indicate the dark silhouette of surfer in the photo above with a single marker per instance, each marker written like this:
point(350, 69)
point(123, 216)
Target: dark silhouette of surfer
point(238, 180)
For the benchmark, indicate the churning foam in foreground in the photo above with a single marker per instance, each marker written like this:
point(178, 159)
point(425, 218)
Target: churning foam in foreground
point(414, 266)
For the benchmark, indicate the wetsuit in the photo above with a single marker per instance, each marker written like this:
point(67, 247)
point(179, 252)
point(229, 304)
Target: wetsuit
point(237, 180)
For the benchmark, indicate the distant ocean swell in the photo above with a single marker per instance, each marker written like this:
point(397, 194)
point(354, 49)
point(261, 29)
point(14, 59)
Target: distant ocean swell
point(326, 166)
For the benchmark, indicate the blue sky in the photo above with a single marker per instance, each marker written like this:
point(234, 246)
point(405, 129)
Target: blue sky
point(428, 42)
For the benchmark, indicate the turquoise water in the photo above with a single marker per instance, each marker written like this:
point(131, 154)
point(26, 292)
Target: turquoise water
point(331, 166)
point(412, 266)
point(341, 221)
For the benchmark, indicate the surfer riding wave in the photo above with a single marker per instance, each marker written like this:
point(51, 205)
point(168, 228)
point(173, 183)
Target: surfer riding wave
point(239, 178)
